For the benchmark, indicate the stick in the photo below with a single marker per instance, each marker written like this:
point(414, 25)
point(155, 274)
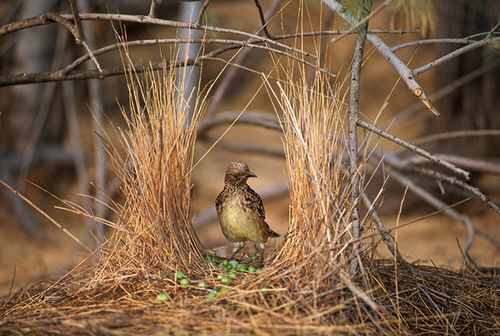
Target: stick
point(414, 148)
point(357, 61)
point(263, 19)
point(25, 199)
point(401, 68)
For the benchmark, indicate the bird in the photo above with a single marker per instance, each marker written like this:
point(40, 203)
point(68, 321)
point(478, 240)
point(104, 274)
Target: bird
point(241, 211)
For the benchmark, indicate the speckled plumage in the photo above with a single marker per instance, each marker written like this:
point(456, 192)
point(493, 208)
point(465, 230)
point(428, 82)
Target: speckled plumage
point(240, 209)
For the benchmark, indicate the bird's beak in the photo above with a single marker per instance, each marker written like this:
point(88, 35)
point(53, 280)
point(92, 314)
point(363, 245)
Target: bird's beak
point(250, 174)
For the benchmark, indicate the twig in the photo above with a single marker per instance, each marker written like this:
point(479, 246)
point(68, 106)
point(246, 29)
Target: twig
point(202, 11)
point(230, 74)
point(363, 296)
point(80, 39)
point(414, 148)
point(252, 43)
point(467, 163)
point(456, 134)
point(438, 204)
point(432, 41)
point(355, 180)
point(62, 228)
point(361, 22)
point(246, 148)
point(263, 19)
point(453, 54)
point(152, 8)
point(396, 163)
point(386, 236)
point(42, 19)
point(80, 36)
point(64, 74)
point(436, 306)
point(28, 222)
point(401, 68)
point(259, 119)
point(443, 92)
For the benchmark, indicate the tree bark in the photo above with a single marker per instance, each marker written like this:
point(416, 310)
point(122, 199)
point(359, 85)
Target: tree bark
point(474, 105)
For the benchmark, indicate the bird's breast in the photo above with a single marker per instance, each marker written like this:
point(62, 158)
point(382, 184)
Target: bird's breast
point(239, 222)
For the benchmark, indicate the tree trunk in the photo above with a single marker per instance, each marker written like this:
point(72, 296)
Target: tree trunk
point(474, 105)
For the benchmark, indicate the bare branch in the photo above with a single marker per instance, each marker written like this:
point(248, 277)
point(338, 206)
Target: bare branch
point(263, 19)
point(453, 54)
point(260, 119)
point(432, 41)
point(386, 236)
point(80, 36)
point(414, 148)
point(456, 134)
point(401, 68)
point(64, 74)
point(354, 172)
point(467, 163)
point(363, 21)
point(443, 92)
point(230, 74)
point(43, 19)
point(396, 163)
point(152, 8)
point(202, 11)
point(438, 204)
point(62, 228)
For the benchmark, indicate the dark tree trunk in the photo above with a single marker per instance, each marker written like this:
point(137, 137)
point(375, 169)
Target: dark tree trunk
point(476, 104)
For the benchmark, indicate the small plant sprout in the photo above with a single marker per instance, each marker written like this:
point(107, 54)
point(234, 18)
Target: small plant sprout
point(242, 267)
point(179, 275)
point(184, 282)
point(253, 257)
point(163, 297)
point(212, 294)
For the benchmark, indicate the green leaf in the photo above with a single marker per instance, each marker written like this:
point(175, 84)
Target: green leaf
point(162, 297)
point(212, 294)
point(179, 275)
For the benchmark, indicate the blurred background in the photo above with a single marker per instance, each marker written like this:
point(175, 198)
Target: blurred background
point(51, 133)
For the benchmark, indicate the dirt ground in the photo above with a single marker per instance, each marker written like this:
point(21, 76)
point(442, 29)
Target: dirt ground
point(432, 240)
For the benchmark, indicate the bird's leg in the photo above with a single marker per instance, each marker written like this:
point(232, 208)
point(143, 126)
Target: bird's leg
point(260, 248)
point(237, 246)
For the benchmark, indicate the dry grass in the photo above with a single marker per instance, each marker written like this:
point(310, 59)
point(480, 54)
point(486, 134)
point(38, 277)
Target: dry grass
point(304, 288)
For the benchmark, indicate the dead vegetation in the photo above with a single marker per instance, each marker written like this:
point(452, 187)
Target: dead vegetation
point(152, 275)
point(305, 287)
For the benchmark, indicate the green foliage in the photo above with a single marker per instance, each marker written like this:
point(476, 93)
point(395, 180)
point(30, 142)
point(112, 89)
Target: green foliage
point(413, 14)
point(163, 297)
point(358, 8)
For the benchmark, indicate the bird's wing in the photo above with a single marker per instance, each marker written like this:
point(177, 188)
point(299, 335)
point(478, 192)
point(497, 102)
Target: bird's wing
point(218, 202)
point(253, 200)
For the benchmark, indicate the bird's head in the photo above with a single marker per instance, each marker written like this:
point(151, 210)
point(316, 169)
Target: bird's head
point(238, 172)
